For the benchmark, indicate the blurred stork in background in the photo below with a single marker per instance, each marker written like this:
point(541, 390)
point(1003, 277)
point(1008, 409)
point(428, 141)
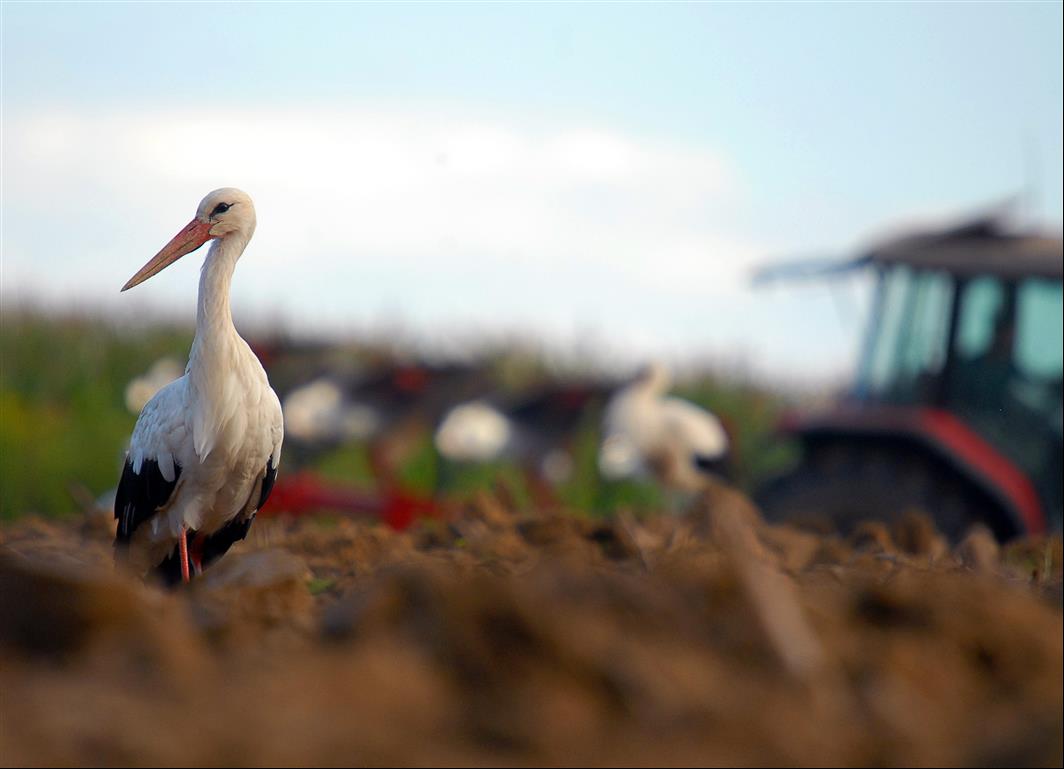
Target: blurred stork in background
point(683, 446)
point(205, 449)
point(535, 429)
point(319, 414)
point(142, 389)
point(390, 407)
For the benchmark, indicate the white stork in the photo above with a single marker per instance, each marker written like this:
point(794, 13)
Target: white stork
point(204, 452)
point(681, 444)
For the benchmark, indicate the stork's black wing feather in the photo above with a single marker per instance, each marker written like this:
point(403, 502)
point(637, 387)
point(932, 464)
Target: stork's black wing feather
point(140, 495)
point(267, 483)
point(719, 465)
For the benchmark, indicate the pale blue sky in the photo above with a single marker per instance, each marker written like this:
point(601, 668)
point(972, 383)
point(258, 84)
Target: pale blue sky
point(807, 125)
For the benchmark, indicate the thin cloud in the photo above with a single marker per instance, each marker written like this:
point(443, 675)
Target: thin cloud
point(387, 184)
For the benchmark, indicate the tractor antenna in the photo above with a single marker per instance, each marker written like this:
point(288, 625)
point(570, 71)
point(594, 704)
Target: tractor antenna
point(1030, 194)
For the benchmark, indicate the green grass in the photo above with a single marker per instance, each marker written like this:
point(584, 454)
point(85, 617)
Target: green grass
point(319, 585)
point(63, 419)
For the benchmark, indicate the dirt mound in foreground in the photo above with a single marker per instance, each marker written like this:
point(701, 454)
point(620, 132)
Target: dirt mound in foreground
point(496, 638)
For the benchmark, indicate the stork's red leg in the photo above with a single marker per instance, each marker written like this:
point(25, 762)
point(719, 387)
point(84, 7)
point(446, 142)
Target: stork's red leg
point(183, 546)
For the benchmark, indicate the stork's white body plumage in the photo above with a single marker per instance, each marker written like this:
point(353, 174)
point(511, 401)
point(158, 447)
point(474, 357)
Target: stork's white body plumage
point(675, 440)
point(206, 447)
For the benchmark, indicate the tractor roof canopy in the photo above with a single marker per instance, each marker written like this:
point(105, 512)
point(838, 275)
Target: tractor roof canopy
point(982, 246)
point(986, 245)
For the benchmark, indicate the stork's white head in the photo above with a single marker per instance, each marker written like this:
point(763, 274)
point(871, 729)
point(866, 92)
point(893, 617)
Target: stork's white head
point(227, 210)
point(223, 213)
point(653, 378)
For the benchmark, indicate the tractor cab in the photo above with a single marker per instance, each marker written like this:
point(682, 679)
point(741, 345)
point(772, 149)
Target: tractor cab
point(956, 409)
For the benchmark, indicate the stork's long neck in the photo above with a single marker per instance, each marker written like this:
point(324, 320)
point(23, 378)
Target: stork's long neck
point(216, 349)
point(214, 318)
point(219, 359)
point(648, 388)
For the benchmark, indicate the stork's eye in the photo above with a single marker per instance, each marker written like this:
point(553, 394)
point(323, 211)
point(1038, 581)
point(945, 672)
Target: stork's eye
point(221, 208)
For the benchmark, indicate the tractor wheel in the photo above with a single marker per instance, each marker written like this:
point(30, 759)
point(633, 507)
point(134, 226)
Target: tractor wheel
point(837, 487)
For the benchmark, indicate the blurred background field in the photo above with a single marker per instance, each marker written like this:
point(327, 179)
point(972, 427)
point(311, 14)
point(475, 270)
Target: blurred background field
point(554, 192)
point(63, 396)
point(66, 422)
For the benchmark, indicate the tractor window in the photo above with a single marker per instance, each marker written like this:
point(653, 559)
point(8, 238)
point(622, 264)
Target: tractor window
point(923, 355)
point(1009, 346)
point(1006, 374)
point(984, 369)
point(880, 365)
point(983, 300)
point(1040, 365)
point(1040, 330)
point(910, 340)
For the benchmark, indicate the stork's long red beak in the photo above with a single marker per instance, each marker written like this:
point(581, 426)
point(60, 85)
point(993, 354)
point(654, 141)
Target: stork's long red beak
point(194, 235)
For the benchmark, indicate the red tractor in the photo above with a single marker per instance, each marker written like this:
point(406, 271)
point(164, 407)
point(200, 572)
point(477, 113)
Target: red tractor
point(956, 410)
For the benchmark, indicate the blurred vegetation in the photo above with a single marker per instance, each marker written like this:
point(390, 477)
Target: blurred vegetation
point(63, 419)
point(64, 425)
